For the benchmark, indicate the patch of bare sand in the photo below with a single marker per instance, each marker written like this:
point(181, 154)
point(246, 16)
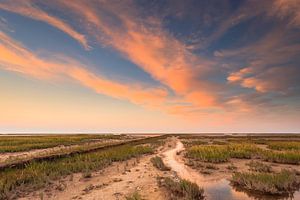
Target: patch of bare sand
point(114, 182)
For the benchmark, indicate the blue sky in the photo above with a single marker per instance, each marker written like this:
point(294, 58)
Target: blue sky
point(178, 66)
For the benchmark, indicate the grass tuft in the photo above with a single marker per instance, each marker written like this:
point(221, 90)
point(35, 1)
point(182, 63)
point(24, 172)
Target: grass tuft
point(259, 167)
point(182, 189)
point(159, 164)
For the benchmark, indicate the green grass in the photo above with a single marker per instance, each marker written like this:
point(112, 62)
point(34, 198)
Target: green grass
point(213, 154)
point(182, 189)
point(35, 175)
point(259, 167)
point(285, 182)
point(222, 153)
point(159, 164)
point(25, 143)
point(189, 143)
point(284, 145)
point(285, 157)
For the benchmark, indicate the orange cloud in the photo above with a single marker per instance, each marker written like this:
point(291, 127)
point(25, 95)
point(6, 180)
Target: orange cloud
point(15, 57)
point(28, 9)
point(287, 9)
point(149, 46)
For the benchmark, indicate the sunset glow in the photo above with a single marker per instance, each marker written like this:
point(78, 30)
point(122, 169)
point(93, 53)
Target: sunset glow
point(149, 66)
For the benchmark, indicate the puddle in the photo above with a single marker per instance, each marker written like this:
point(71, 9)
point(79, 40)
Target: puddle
point(214, 189)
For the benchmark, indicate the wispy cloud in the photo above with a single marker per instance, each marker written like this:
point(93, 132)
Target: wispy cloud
point(29, 9)
point(146, 43)
point(195, 84)
point(15, 57)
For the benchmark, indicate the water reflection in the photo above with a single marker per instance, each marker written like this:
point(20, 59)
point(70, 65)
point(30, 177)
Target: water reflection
point(214, 189)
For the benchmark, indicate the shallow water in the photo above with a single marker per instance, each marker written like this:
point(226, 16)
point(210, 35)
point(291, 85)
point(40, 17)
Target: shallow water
point(214, 189)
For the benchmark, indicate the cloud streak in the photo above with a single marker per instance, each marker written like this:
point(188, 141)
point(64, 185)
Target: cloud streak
point(29, 9)
point(15, 57)
point(195, 83)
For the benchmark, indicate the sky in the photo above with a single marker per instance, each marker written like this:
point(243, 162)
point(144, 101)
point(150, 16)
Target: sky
point(149, 66)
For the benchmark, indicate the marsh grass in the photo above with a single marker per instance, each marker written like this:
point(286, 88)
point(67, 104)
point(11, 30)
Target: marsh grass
point(285, 157)
point(259, 167)
point(35, 175)
point(222, 153)
point(189, 143)
point(25, 143)
point(213, 154)
point(182, 189)
point(284, 145)
point(285, 182)
point(159, 164)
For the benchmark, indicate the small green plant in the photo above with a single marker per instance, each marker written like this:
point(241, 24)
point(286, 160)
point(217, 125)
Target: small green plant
point(182, 189)
point(285, 182)
point(159, 164)
point(259, 167)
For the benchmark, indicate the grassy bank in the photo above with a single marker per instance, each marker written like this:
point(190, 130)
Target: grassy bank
point(25, 143)
point(38, 174)
point(284, 145)
point(222, 153)
point(283, 183)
